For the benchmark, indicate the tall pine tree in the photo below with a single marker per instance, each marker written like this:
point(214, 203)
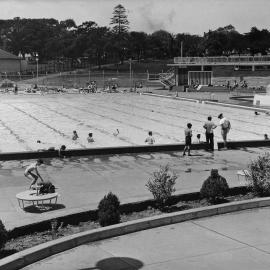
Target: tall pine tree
point(119, 20)
point(120, 29)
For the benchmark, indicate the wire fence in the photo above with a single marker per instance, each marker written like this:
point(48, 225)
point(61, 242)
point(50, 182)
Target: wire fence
point(81, 79)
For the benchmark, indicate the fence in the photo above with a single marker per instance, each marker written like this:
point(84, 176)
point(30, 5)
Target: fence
point(80, 79)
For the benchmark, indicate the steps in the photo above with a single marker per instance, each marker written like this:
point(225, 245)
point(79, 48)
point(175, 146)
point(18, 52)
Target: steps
point(167, 79)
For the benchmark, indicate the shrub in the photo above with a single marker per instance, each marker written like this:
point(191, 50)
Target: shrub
point(260, 175)
point(215, 187)
point(161, 185)
point(108, 210)
point(3, 235)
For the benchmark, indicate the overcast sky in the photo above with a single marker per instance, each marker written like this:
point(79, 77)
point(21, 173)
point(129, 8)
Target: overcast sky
point(176, 16)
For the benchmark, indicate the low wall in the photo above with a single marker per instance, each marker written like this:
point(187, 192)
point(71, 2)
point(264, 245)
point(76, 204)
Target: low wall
point(37, 253)
point(126, 150)
point(99, 151)
point(75, 216)
point(240, 144)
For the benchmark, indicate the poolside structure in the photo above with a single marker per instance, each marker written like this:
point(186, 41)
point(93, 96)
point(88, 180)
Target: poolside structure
point(10, 62)
point(262, 100)
point(201, 70)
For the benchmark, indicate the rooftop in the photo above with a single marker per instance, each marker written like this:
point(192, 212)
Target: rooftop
point(222, 60)
point(8, 55)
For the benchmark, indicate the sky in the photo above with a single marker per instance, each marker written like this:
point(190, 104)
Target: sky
point(174, 16)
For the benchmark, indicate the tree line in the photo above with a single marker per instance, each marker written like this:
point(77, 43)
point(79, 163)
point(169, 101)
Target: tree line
point(54, 39)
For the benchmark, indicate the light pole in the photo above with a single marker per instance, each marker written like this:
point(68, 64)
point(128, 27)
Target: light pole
point(20, 56)
point(37, 65)
point(130, 74)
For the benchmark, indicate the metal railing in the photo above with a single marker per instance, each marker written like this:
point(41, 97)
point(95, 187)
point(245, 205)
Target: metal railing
point(221, 59)
point(153, 76)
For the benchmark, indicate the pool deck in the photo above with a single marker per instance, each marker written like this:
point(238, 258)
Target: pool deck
point(82, 182)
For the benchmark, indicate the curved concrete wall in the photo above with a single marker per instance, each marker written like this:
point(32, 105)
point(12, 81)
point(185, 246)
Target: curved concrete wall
point(37, 253)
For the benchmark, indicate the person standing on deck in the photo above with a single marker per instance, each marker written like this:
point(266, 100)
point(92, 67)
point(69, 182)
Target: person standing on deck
point(209, 127)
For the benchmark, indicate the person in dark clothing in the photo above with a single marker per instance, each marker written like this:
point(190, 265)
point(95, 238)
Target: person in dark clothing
point(209, 126)
point(188, 136)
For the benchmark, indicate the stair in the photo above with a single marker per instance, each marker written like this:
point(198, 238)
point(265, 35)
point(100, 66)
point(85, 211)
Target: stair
point(167, 78)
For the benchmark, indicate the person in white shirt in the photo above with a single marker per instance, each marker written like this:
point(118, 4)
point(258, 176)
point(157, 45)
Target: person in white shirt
point(225, 128)
point(31, 172)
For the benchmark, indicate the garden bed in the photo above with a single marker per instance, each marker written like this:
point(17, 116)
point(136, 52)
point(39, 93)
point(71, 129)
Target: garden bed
point(64, 227)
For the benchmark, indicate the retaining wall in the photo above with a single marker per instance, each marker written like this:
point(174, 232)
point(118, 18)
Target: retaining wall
point(99, 151)
point(125, 150)
point(241, 144)
point(37, 253)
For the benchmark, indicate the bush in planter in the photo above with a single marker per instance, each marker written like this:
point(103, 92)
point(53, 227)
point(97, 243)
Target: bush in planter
point(108, 210)
point(161, 185)
point(215, 187)
point(3, 235)
point(260, 175)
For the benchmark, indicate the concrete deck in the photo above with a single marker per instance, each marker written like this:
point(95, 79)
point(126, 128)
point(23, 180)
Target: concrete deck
point(201, 244)
point(83, 182)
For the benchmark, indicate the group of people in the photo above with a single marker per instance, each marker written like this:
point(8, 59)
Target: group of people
point(209, 127)
point(89, 138)
point(242, 83)
point(90, 88)
point(194, 85)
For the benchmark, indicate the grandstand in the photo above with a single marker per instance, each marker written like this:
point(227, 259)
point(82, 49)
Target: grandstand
point(185, 71)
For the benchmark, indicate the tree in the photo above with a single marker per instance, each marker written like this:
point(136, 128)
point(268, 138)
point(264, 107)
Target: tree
point(30, 35)
point(120, 30)
point(119, 20)
point(138, 44)
point(98, 44)
point(162, 43)
point(191, 45)
point(109, 210)
point(68, 24)
point(161, 185)
point(259, 177)
point(258, 40)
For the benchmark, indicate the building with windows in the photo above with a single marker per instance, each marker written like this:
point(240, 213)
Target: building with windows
point(10, 62)
point(203, 70)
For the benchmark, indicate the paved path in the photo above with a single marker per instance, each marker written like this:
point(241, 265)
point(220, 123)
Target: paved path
point(83, 182)
point(237, 241)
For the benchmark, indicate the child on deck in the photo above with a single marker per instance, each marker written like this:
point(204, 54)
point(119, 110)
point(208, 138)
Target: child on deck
point(31, 172)
point(188, 136)
point(225, 128)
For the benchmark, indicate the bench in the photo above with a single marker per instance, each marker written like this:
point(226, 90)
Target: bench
point(35, 198)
